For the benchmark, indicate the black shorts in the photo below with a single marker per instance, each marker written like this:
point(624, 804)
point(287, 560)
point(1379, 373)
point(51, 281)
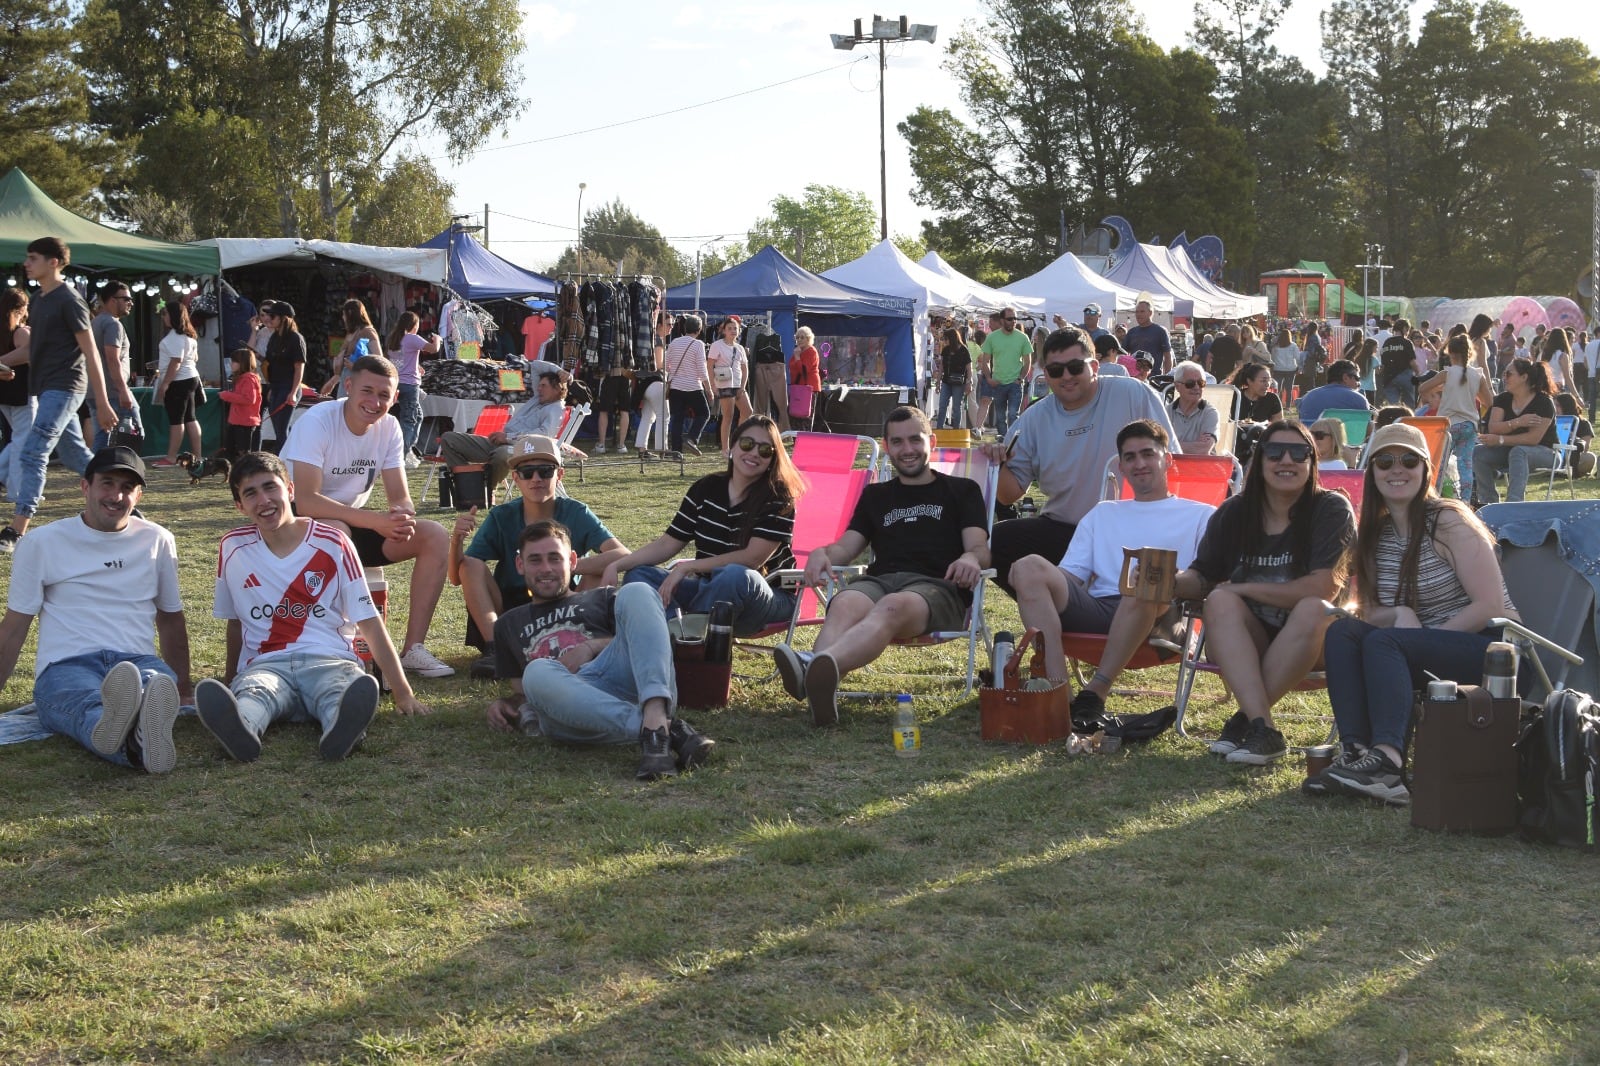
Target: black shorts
point(369, 546)
point(729, 393)
point(616, 394)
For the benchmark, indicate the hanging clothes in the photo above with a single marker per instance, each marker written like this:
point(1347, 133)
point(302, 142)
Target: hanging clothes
point(644, 301)
point(570, 327)
point(536, 329)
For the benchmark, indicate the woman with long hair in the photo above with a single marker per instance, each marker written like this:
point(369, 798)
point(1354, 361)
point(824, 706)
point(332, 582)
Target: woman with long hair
point(688, 386)
point(729, 367)
point(651, 389)
point(741, 523)
point(360, 339)
point(955, 378)
point(1461, 393)
point(1253, 347)
point(285, 367)
point(1367, 363)
point(1269, 558)
point(1425, 582)
point(1478, 336)
point(1521, 433)
point(1557, 356)
point(406, 349)
point(178, 382)
point(16, 406)
point(1286, 357)
point(1329, 434)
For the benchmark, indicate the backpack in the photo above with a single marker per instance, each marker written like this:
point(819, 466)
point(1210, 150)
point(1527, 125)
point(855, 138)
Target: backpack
point(1558, 752)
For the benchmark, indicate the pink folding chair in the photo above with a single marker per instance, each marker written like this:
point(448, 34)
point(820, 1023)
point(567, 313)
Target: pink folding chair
point(1349, 482)
point(829, 452)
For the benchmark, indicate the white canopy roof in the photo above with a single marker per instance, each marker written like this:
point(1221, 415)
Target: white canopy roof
point(422, 264)
point(1149, 268)
point(983, 296)
point(1067, 286)
point(886, 269)
point(1244, 306)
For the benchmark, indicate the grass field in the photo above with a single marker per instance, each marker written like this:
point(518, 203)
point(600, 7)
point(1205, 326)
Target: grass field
point(453, 895)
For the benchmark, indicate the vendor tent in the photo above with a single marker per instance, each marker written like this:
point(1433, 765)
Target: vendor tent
point(1243, 306)
point(1067, 286)
point(27, 214)
point(479, 274)
point(771, 283)
point(886, 269)
point(1147, 268)
point(983, 296)
point(420, 264)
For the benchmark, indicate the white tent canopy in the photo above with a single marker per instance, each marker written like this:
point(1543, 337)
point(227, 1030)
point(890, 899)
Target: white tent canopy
point(982, 296)
point(1148, 268)
point(886, 269)
point(421, 264)
point(1244, 306)
point(1067, 286)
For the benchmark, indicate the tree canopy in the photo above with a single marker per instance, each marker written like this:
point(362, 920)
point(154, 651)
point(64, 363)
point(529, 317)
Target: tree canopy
point(827, 226)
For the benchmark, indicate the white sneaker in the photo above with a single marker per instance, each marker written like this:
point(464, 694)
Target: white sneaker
point(598, 449)
point(412, 462)
point(419, 660)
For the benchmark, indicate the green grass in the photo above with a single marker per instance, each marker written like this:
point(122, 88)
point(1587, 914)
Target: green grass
point(450, 894)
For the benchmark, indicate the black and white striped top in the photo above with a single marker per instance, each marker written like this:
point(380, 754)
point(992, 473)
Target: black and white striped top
point(706, 518)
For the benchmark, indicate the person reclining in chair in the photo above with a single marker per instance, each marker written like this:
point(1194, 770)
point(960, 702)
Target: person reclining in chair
point(1082, 594)
point(929, 537)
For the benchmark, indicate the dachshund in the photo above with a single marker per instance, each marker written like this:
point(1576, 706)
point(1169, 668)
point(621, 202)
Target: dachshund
point(199, 468)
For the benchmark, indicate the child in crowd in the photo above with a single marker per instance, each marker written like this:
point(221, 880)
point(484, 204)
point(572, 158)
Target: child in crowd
point(291, 589)
point(243, 397)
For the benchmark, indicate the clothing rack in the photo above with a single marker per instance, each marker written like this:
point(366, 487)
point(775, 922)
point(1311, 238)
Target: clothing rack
point(571, 275)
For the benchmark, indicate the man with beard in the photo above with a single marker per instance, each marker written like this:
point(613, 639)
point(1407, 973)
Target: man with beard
point(929, 539)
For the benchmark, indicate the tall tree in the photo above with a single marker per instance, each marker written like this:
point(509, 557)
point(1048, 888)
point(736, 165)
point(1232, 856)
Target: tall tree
point(613, 235)
point(410, 205)
point(827, 226)
point(44, 105)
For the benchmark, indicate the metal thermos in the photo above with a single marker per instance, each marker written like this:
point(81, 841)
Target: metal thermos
point(1005, 645)
point(719, 633)
point(1500, 670)
point(446, 491)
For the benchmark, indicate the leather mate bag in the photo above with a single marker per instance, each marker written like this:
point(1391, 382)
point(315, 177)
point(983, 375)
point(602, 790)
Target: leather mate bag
point(1464, 763)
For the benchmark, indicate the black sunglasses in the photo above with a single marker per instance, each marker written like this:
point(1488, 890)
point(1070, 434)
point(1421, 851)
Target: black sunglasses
point(1321, 434)
point(762, 448)
point(1007, 318)
point(1277, 449)
point(1071, 366)
point(1387, 460)
point(1192, 384)
point(544, 470)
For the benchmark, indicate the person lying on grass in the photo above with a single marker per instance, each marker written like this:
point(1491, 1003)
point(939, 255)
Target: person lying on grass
point(291, 589)
point(590, 667)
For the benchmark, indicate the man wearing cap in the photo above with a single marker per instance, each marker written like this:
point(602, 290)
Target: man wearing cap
point(1108, 350)
point(62, 366)
point(1149, 336)
point(541, 416)
point(116, 300)
point(1091, 323)
point(335, 454)
point(103, 585)
point(536, 470)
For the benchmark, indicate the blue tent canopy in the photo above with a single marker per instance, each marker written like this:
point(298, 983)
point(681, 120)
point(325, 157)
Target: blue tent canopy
point(770, 282)
point(479, 274)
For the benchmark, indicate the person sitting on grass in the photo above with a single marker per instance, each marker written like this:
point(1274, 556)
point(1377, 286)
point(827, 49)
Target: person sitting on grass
point(1082, 593)
point(1269, 558)
point(291, 589)
point(590, 667)
point(536, 469)
point(929, 536)
point(740, 522)
point(335, 453)
point(100, 584)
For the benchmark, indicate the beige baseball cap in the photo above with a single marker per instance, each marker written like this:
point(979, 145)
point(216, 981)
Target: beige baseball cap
point(536, 446)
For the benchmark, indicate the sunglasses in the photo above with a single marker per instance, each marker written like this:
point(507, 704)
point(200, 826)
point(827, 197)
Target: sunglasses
point(1071, 366)
point(1007, 318)
point(1387, 460)
point(761, 448)
point(1193, 384)
point(1276, 450)
point(544, 470)
point(1321, 434)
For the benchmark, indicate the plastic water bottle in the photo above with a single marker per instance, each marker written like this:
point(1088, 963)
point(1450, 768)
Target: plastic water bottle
point(907, 737)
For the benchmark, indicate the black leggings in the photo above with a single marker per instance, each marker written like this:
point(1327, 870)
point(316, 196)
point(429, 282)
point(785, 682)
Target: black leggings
point(179, 401)
point(689, 414)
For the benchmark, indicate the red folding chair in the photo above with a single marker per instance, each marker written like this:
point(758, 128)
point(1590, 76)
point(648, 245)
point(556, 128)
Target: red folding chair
point(491, 420)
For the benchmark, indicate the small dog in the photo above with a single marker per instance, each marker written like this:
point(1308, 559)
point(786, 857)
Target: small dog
point(199, 468)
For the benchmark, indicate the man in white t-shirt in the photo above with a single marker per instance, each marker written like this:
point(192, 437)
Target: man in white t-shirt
point(103, 585)
point(336, 452)
point(291, 590)
point(1082, 594)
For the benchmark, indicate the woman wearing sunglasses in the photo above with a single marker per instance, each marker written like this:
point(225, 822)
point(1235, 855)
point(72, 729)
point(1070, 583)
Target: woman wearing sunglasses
point(1521, 433)
point(1330, 437)
point(1269, 559)
point(741, 523)
point(1425, 581)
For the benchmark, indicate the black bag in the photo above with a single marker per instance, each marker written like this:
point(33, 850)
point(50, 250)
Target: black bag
point(1558, 752)
point(1139, 728)
point(1464, 771)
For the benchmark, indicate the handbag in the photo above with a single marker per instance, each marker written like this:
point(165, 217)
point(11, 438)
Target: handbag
point(1013, 713)
point(802, 397)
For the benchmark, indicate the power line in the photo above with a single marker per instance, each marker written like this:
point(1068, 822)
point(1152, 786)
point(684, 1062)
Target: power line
point(674, 111)
point(598, 233)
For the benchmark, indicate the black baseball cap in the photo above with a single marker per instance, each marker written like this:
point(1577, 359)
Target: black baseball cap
point(281, 308)
point(119, 458)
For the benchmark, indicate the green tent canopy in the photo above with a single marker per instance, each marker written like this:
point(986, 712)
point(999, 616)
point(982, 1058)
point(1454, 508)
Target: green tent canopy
point(27, 214)
point(1315, 267)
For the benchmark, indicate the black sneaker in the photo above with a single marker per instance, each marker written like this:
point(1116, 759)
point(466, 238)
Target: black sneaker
point(1375, 776)
point(482, 668)
point(690, 747)
point(822, 689)
point(1088, 712)
point(219, 712)
point(356, 708)
point(1262, 744)
point(792, 666)
point(1233, 731)
point(8, 540)
point(655, 755)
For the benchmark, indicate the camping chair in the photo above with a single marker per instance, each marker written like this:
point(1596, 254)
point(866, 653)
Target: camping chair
point(491, 420)
point(1227, 400)
point(572, 420)
point(1565, 448)
point(1207, 478)
point(815, 453)
point(1551, 575)
point(1436, 431)
point(953, 438)
point(1356, 424)
point(1350, 482)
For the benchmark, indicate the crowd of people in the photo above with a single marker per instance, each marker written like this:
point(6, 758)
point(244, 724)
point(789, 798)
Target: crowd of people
point(575, 622)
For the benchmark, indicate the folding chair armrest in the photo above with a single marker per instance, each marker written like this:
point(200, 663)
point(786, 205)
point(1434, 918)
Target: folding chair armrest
point(1512, 626)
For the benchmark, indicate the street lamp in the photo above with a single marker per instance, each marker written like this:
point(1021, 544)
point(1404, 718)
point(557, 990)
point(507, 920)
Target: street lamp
point(1593, 178)
point(582, 185)
point(884, 32)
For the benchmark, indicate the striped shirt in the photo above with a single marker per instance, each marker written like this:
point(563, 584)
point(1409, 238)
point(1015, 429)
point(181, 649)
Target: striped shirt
point(1440, 595)
point(685, 365)
point(706, 518)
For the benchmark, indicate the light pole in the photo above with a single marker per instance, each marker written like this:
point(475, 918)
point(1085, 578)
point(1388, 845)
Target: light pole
point(1378, 265)
point(582, 185)
point(1593, 178)
point(884, 32)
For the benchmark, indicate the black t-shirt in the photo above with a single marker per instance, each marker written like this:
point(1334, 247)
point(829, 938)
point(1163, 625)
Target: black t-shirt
point(1541, 405)
point(13, 393)
point(1333, 527)
point(917, 529)
point(545, 630)
point(1225, 355)
point(284, 350)
point(1396, 356)
point(706, 519)
point(954, 361)
point(1262, 410)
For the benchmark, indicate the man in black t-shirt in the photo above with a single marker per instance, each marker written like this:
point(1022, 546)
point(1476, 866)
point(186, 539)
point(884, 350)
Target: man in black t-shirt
point(930, 542)
point(1397, 359)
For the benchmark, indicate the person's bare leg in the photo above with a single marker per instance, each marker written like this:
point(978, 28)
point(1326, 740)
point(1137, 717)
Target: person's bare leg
point(1042, 595)
point(1235, 641)
point(845, 611)
point(654, 713)
point(623, 419)
point(1130, 627)
point(899, 615)
point(193, 429)
point(429, 547)
point(174, 439)
point(1295, 652)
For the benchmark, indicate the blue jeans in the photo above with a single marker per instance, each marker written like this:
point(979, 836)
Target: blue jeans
point(1007, 398)
point(1463, 442)
point(1516, 460)
point(600, 703)
point(298, 687)
point(952, 400)
point(102, 439)
point(756, 604)
point(55, 423)
point(408, 412)
point(67, 695)
point(1373, 674)
point(20, 416)
point(1399, 389)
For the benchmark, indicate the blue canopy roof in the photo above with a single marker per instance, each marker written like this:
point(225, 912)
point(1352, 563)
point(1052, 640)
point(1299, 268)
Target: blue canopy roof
point(479, 274)
point(771, 281)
